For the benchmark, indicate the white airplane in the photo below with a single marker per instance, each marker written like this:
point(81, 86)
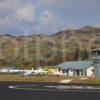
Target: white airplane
point(28, 72)
point(4, 71)
point(10, 70)
point(39, 71)
point(34, 72)
point(15, 71)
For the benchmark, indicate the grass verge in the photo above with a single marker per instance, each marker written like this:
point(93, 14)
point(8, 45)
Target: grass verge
point(20, 78)
point(52, 79)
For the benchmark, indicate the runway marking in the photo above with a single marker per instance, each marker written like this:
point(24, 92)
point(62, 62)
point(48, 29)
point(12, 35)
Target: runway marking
point(57, 88)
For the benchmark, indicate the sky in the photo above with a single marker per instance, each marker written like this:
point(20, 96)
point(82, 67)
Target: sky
point(20, 17)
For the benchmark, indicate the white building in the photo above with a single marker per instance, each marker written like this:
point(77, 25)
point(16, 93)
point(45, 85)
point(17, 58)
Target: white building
point(76, 68)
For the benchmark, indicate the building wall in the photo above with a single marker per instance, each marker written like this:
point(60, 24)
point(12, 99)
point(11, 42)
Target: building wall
point(95, 57)
point(97, 70)
point(90, 71)
point(71, 72)
point(78, 72)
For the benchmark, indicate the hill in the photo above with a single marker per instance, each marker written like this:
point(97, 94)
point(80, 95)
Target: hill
point(35, 50)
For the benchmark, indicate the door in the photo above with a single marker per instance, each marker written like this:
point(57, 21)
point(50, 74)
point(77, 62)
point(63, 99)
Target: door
point(77, 72)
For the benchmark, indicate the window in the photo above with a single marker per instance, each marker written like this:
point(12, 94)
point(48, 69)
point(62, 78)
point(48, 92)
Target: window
point(78, 72)
point(63, 70)
point(67, 71)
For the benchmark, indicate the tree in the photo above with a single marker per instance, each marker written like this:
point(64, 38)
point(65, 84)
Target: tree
point(85, 54)
point(77, 54)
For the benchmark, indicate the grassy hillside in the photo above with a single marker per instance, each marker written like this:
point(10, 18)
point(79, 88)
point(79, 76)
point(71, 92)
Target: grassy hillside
point(29, 51)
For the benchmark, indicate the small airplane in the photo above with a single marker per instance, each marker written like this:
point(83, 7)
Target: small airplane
point(34, 72)
point(28, 72)
point(39, 71)
point(10, 70)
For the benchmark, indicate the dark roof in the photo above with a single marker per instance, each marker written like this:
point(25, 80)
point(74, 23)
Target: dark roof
point(75, 65)
point(98, 49)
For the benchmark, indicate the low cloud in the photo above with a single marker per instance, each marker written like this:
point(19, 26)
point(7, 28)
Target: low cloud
point(26, 13)
point(8, 5)
point(46, 16)
point(49, 22)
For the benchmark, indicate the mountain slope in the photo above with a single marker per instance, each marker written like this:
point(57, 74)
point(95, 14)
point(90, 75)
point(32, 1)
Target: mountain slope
point(29, 51)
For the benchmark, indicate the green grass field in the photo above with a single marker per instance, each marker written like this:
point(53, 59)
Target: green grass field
point(53, 79)
point(87, 81)
point(20, 78)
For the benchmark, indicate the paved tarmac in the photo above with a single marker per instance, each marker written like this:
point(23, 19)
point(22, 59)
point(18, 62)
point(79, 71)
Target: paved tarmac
point(13, 94)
